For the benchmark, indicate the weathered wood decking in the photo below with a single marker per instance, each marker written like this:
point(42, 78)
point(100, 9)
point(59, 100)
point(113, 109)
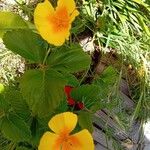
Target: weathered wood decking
point(127, 140)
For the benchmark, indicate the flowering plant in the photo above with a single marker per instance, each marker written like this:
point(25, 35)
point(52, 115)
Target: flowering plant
point(52, 89)
point(62, 125)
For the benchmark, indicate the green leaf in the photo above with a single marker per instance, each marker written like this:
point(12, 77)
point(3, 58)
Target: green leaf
point(103, 22)
point(98, 105)
point(143, 24)
point(88, 94)
point(37, 130)
point(4, 105)
point(85, 121)
point(31, 25)
point(43, 90)
point(18, 104)
point(15, 129)
point(71, 80)
point(69, 59)
point(105, 82)
point(10, 21)
point(1, 88)
point(140, 2)
point(26, 43)
point(107, 79)
point(4, 143)
point(23, 148)
point(79, 26)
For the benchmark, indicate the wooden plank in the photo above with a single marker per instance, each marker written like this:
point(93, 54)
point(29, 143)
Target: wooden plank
point(135, 131)
point(128, 104)
point(101, 140)
point(100, 147)
point(124, 88)
point(118, 132)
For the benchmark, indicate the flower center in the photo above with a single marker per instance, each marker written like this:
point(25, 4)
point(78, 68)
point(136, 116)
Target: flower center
point(60, 20)
point(67, 142)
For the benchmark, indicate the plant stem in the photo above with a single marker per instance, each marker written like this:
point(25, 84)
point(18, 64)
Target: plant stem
point(45, 58)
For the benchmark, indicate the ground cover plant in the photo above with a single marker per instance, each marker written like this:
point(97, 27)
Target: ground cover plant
point(51, 102)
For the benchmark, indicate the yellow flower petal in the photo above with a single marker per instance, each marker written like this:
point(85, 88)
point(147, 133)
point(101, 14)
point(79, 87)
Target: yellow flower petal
point(69, 4)
point(85, 139)
point(56, 39)
point(73, 15)
point(71, 7)
point(41, 14)
point(48, 141)
point(63, 123)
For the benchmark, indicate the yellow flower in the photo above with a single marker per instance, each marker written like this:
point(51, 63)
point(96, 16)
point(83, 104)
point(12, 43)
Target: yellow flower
point(54, 24)
point(62, 124)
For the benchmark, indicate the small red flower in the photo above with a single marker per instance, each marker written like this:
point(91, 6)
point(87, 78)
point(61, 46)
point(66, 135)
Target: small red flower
point(68, 90)
point(79, 106)
point(71, 101)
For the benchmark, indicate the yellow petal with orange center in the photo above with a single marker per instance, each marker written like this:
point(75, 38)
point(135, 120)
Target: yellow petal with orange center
point(54, 24)
point(63, 123)
point(50, 24)
point(71, 7)
point(85, 139)
point(69, 4)
point(66, 143)
point(48, 141)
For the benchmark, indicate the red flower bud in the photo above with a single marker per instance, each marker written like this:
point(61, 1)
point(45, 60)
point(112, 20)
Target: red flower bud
point(71, 102)
point(79, 106)
point(67, 90)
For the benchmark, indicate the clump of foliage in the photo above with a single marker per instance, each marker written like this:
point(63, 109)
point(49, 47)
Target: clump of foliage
point(122, 26)
point(27, 106)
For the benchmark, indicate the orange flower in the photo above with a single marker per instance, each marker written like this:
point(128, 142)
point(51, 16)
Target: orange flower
point(54, 24)
point(62, 124)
